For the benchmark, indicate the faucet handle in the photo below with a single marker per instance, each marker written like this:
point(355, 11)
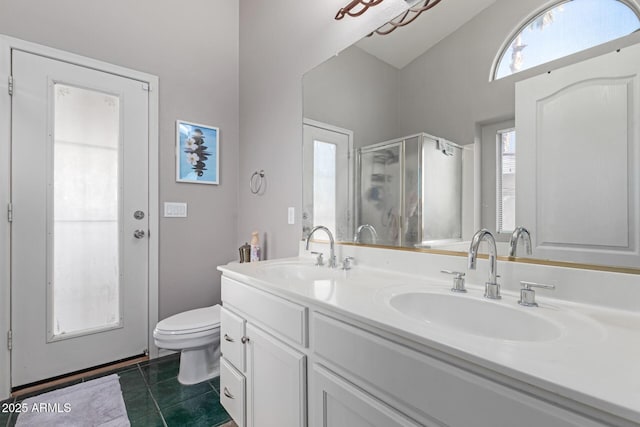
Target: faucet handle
point(528, 295)
point(457, 274)
point(346, 263)
point(319, 260)
point(458, 280)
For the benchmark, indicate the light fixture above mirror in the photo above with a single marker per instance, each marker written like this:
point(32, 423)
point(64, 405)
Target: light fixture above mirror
point(357, 7)
point(352, 8)
point(406, 18)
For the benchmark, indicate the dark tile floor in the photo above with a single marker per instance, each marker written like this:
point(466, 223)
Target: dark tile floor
point(154, 397)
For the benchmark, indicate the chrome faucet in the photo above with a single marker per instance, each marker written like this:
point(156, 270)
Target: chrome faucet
point(372, 230)
point(332, 255)
point(520, 232)
point(491, 288)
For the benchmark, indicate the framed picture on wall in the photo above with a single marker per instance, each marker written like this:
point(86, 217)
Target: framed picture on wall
point(197, 153)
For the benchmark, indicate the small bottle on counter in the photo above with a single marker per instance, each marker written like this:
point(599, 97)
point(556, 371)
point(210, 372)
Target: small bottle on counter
point(255, 247)
point(245, 253)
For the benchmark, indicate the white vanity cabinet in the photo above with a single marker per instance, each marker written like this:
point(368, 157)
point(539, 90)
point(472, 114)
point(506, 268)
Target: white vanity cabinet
point(300, 363)
point(431, 391)
point(263, 364)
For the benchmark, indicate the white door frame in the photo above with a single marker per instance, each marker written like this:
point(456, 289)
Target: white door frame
point(6, 45)
point(352, 165)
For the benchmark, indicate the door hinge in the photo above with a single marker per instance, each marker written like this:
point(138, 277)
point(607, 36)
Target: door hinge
point(10, 339)
point(10, 85)
point(10, 212)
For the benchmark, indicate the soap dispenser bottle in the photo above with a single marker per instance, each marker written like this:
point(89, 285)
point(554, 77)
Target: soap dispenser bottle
point(255, 247)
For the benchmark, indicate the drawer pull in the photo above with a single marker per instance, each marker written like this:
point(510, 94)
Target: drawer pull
point(244, 340)
point(228, 338)
point(226, 393)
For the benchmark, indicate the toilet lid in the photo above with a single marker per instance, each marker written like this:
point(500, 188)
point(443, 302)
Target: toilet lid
point(200, 319)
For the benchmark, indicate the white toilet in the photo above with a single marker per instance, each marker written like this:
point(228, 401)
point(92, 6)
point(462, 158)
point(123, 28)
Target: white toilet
point(196, 334)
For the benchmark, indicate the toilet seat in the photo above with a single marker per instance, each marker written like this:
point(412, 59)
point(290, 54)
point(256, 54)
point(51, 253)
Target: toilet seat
point(190, 322)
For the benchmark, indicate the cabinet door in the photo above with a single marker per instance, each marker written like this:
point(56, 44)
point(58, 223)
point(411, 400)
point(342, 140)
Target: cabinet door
point(276, 382)
point(337, 403)
point(231, 333)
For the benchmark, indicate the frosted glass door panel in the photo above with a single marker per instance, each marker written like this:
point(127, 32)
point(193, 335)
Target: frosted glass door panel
point(442, 189)
point(324, 184)
point(84, 287)
point(412, 193)
point(380, 198)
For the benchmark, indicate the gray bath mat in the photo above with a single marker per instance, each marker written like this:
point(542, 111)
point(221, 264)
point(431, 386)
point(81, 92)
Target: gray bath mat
point(93, 403)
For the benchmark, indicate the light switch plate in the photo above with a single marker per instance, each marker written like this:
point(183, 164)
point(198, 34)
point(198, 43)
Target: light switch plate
point(175, 210)
point(291, 216)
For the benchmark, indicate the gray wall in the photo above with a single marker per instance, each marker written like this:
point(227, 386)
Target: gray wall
point(355, 91)
point(279, 41)
point(193, 47)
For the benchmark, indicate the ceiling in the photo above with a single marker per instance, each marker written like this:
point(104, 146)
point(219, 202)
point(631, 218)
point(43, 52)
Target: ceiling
point(407, 43)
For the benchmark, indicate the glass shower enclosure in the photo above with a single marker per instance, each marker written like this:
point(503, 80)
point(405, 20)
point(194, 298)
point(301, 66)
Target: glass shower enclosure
point(410, 191)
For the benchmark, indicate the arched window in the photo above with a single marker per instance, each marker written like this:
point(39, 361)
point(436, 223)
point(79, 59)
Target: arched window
point(564, 28)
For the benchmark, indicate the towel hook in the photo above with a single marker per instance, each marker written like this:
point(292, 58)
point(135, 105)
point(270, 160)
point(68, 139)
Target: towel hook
point(256, 181)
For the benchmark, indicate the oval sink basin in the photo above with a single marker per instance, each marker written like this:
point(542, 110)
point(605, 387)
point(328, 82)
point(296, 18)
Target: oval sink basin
point(301, 271)
point(476, 317)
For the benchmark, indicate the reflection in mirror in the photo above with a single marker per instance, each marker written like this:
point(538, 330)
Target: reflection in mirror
point(571, 179)
point(609, 19)
point(409, 191)
point(328, 179)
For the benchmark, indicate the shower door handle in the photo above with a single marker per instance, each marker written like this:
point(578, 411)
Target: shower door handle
point(139, 234)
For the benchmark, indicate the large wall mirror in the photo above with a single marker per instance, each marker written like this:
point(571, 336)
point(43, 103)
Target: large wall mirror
point(494, 115)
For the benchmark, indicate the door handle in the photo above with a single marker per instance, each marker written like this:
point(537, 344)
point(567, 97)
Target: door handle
point(139, 234)
point(228, 338)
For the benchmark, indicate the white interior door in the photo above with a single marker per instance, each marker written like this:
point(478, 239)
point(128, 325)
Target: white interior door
point(328, 180)
point(79, 248)
point(578, 158)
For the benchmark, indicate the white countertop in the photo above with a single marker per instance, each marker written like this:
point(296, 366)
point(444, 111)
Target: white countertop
point(595, 360)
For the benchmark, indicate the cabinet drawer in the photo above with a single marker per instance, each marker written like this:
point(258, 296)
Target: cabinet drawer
point(338, 403)
point(232, 329)
point(427, 388)
point(232, 392)
point(279, 316)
